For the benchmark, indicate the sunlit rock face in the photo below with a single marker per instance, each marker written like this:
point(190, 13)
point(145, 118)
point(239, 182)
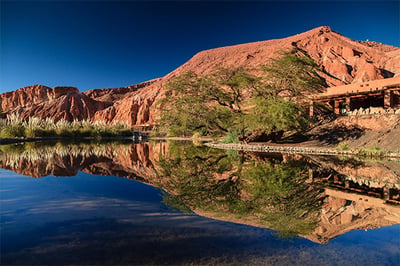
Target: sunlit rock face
point(69, 107)
point(44, 102)
point(63, 90)
point(340, 57)
point(25, 96)
point(321, 199)
point(134, 109)
point(341, 61)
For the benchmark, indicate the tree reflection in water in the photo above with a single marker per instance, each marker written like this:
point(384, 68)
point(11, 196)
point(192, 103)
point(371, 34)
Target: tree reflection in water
point(264, 192)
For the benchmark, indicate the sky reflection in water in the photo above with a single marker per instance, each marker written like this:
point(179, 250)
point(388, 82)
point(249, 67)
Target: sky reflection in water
point(93, 219)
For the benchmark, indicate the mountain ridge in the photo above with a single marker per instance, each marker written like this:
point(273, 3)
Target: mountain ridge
point(341, 61)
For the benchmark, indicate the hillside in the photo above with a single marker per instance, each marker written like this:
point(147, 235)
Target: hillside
point(356, 132)
point(341, 61)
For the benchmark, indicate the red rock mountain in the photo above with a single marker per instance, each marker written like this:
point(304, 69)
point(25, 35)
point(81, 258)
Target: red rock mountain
point(58, 103)
point(341, 61)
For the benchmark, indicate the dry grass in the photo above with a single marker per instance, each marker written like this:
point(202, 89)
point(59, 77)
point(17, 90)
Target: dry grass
point(15, 127)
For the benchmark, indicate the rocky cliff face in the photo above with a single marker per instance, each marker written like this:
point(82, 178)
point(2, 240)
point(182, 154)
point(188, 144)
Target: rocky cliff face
point(57, 103)
point(25, 96)
point(72, 106)
point(341, 61)
point(136, 108)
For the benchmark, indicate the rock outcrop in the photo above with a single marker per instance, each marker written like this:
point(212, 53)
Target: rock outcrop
point(114, 94)
point(341, 61)
point(134, 109)
point(25, 96)
point(56, 103)
point(71, 106)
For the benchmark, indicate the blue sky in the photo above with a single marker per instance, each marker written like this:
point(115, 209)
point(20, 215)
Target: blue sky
point(98, 44)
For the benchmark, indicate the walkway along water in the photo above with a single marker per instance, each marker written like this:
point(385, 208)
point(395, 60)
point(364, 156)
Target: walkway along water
point(294, 149)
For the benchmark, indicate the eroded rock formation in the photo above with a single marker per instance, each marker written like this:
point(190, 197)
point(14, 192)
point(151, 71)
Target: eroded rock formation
point(57, 103)
point(25, 96)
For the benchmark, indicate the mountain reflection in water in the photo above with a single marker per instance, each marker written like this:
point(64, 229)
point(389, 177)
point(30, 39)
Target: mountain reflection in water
point(317, 198)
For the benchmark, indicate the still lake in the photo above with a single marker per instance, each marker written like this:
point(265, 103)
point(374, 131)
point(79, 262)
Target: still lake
point(183, 203)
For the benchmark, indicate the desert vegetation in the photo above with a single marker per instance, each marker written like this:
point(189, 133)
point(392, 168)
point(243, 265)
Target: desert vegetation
point(234, 103)
point(15, 127)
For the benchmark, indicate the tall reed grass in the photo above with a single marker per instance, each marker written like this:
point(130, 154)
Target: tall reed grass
point(15, 127)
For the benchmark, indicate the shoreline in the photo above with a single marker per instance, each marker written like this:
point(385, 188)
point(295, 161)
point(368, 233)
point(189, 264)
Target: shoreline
point(181, 138)
point(5, 141)
point(281, 148)
point(256, 147)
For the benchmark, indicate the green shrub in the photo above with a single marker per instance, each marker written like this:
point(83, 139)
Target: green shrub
point(29, 132)
point(125, 132)
point(371, 152)
point(12, 131)
point(231, 137)
point(40, 132)
point(85, 132)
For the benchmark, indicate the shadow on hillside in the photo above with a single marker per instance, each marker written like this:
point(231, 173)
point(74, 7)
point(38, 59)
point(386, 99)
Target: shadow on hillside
point(337, 134)
point(331, 136)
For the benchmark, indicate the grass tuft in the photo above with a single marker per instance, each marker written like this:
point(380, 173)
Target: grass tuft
point(343, 147)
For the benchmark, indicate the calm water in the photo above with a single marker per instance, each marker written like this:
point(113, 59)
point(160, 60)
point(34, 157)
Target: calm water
point(176, 203)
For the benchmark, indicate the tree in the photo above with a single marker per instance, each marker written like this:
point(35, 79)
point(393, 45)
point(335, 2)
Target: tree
point(293, 76)
point(207, 104)
point(281, 102)
point(232, 100)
